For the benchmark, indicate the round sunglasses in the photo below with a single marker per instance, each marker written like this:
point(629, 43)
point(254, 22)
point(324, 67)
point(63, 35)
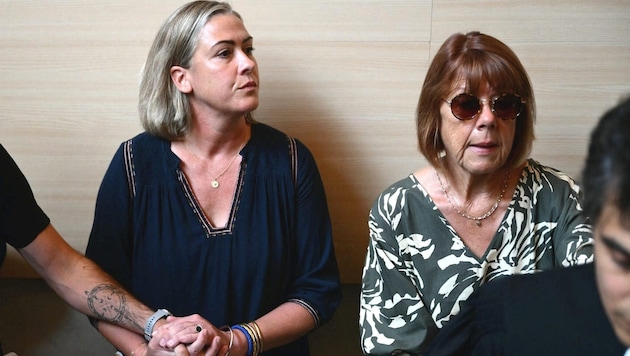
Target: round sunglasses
point(505, 106)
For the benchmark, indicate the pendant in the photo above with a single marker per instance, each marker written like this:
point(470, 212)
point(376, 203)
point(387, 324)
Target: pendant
point(478, 222)
point(214, 184)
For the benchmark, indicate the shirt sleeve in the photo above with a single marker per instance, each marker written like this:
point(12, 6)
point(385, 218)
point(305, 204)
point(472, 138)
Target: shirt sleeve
point(21, 218)
point(392, 314)
point(316, 284)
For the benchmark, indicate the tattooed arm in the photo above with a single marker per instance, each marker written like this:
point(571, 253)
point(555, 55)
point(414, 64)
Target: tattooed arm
point(82, 284)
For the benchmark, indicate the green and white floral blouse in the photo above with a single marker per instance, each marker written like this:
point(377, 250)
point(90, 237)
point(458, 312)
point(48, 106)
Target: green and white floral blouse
point(418, 271)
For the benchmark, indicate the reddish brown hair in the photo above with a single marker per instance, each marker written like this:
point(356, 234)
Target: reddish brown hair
point(477, 59)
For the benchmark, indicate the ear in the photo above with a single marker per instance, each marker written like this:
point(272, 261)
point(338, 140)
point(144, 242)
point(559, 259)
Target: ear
point(180, 79)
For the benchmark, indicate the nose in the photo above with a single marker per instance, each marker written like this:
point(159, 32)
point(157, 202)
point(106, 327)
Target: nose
point(247, 62)
point(486, 116)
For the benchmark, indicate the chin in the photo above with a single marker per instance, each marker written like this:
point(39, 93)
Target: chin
point(624, 339)
point(483, 169)
point(622, 332)
point(250, 106)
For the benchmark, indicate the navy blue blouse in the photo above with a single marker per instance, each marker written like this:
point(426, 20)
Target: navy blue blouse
point(150, 233)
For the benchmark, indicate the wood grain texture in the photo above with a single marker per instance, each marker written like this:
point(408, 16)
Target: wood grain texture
point(343, 76)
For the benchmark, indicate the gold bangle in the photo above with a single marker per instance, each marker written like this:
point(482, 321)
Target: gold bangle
point(258, 335)
point(133, 352)
point(227, 328)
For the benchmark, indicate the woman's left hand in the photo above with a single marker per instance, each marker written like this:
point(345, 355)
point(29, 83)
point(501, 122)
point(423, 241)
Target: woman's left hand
point(199, 336)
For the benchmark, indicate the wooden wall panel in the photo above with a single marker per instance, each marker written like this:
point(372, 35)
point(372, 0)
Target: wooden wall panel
point(558, 21)
point(358, 122)
point(577, 54)
point(337, 20)
point(343, 76)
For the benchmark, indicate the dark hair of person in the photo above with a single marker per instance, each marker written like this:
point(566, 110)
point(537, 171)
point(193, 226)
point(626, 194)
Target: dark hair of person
point(478, 59)
point(606, 174)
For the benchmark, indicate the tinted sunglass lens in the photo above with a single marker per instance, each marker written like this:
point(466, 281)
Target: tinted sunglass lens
point(465, 106)
point(508, 106)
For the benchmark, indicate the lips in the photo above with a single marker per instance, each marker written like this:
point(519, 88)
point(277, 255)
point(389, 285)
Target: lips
point(251, 84)
point(484, 144)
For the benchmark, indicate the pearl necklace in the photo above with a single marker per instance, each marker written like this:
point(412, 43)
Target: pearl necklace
point(476, 219)
point(214, 183)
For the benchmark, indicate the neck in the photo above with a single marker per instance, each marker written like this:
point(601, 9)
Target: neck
point(470, 208)
point(206, 142)
point(471, 187)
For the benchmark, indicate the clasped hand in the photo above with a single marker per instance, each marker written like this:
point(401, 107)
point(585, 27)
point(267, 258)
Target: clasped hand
point(189, 336)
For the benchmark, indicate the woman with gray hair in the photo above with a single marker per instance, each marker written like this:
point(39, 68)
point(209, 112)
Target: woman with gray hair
point(211, 212)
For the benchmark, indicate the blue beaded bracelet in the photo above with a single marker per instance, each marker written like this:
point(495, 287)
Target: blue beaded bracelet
point(250, 342)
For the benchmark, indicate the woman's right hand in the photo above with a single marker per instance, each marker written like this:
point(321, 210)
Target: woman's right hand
point(154, 349)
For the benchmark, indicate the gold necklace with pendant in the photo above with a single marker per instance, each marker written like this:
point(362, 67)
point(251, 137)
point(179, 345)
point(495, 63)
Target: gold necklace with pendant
point(214, 183)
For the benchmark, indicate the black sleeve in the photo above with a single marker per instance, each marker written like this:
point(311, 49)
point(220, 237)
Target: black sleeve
point(21, 218)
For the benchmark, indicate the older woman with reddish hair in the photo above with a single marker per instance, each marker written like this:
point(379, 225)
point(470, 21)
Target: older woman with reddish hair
point(562, 306)
point(480, 209)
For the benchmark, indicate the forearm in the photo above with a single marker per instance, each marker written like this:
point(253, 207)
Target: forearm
point(92, 292)
point(284, 324)
point(123, 340)
point(82, 284)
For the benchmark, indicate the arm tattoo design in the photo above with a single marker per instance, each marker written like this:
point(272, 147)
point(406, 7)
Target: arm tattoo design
point(108, 303)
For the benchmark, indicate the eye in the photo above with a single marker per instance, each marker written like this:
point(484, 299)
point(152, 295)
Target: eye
point(621, 259)
point(249, 50)
point(617, 253)
point(224, 53)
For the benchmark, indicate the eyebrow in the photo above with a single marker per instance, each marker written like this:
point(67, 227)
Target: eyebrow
point(232, 42)
point(614, 245)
